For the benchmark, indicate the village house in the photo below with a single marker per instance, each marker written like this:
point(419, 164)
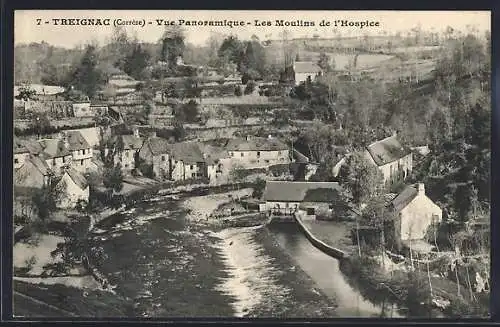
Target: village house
point(56, 154)
point(155, 152)
point(286, 198)
point(414, 213)
point(21, 152)
point(125, 149)
point(304, 70)
point(33, 173)
point(82, 109)
point(218, 163)
point(186, 161)
point(258, 152)
point(81, 151)
point(391, 158)
point(73, 187)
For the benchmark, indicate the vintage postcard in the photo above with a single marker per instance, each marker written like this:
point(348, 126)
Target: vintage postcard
point(251, 164)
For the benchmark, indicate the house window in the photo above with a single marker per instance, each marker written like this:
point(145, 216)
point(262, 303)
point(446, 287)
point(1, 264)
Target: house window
point(64, 159)
point(163, 158)
point(126, 165)
point(16, 160)
point(126, 154)
point(258, 153)
point(279, 153)
point(267, 161)
point(310, 211)
point(54, 162)
point(242, 154)
point(83, 151)
point(191, 167)
point(81, 162)
point(193, 175)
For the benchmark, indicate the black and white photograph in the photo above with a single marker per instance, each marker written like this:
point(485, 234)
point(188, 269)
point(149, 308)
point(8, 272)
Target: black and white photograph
point(251, 164)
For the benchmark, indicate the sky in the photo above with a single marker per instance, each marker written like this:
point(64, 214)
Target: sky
point(27, 30)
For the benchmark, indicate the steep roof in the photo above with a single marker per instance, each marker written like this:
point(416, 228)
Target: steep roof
point(213, 153)
point(404, 198)
point(131, 142)
point(39, 164)
point(306, 67)
point(54, 148)
point(77, 178)
point(158, 145)
point(295, 191)
point(387, 150)
point(187, 152)
point(255, 144)
point(19, 146)
point(76, 141)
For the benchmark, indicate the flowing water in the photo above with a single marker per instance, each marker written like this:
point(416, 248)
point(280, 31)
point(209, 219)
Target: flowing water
point(154, 255)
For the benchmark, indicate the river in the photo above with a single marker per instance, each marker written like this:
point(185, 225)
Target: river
point(154, 255)
point(325, 271)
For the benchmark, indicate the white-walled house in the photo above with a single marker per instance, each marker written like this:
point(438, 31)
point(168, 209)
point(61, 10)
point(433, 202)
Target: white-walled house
point(414, 213)
point(81, 151)
point(56, 154)
point(74, 188)
point(258, 152)
point(391, 158)
point(304, 70)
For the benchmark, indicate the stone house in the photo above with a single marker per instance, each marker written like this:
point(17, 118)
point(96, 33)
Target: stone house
point(258, 152)
point(414, 213)
point(286, 198)
point(186, 161)
point(74, 188)
point(391, 158)
point(155, 152)
point(304, 70)
point(126, 149)
point(81, 151)
point(33, 173)
point(56, 154)
point(218, 163)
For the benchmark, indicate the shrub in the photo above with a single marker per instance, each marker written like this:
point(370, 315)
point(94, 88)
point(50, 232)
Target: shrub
point(237, 91)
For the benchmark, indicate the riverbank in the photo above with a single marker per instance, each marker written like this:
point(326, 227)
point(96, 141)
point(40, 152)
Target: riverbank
point(418, 291)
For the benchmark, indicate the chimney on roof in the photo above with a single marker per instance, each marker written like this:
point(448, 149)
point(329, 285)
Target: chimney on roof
point(421, 188)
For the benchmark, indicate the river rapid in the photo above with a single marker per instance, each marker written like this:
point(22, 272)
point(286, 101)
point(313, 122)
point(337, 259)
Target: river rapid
point(171, 267)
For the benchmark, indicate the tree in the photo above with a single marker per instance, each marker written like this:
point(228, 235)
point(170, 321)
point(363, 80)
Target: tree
point(258, 188)
point(376, 214)
point(250, 87)
point(231, 50)
point(324, 62)
point(237, 91)
point(46, 199)
point(40, 124)
point(173, 45)
point(87, 77)
point(136, 61)
point(187, 112)
point(237, 175)
point(26, 93)
point(113, 178)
